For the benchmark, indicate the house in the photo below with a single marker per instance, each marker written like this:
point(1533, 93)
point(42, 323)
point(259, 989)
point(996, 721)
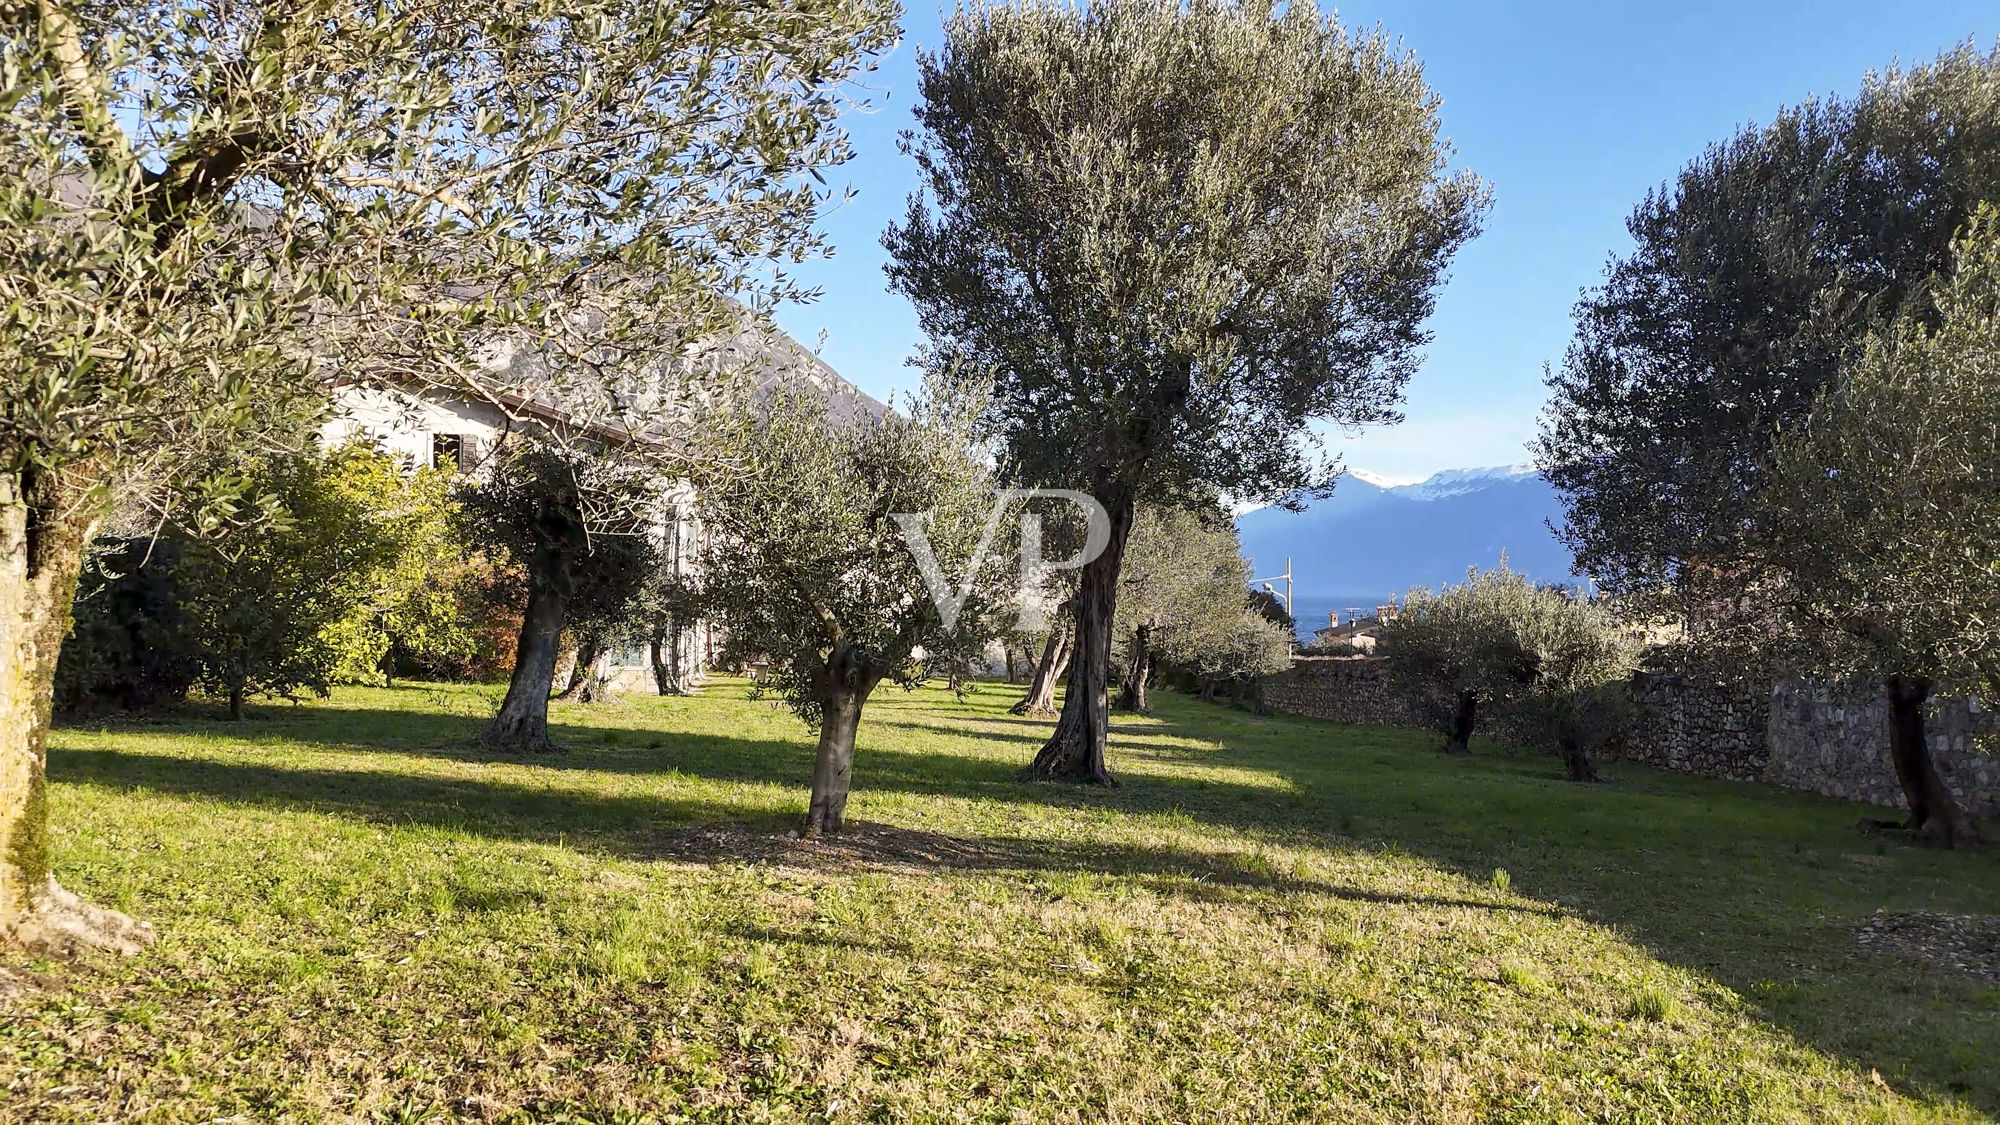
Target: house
point(432, 427)
point(1360, 631)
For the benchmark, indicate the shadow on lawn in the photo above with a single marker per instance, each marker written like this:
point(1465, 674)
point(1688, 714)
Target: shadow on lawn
point(1751, 886)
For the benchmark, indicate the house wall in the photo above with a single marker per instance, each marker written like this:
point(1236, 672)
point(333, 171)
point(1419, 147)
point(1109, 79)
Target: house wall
point(407, 426)
point(1800, 736)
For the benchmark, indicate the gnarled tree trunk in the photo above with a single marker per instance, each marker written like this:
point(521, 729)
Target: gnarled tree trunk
point(1138, 667)
point(523, 719)
point(1041, 697)
point(1576, 760)
point(583, 673)
point(1935, 816)
point(45, 528)
point(1459, 739)
point(844, 688)
point(1076, 751)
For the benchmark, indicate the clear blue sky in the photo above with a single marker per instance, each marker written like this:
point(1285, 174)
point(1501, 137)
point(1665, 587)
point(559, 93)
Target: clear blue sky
point(1571, 111)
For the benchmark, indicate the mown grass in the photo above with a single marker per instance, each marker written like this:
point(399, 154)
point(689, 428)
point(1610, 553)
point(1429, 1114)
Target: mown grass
point(1273, 918)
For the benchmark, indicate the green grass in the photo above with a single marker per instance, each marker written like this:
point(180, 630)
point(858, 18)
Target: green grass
point(362, 917)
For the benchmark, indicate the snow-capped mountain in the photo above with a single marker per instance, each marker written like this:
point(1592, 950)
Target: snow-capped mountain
point(1458, 482)
point(1377, 536)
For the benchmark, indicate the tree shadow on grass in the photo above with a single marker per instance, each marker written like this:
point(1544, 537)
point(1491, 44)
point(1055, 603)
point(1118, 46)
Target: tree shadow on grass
point(1758, 889)
point(661, 827)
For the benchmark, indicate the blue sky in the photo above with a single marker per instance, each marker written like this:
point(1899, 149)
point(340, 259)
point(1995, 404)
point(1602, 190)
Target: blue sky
point(1571, 111)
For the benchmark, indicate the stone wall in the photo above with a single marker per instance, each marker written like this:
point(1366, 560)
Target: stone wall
point(1346, 689)
point(1800, 736)
point(1827, 743)
point(1698, 727)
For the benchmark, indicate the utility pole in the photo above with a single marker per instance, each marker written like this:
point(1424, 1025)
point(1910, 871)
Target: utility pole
point(1266, 584)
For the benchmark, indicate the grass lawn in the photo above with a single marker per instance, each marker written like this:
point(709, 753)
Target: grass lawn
point(1273, 918)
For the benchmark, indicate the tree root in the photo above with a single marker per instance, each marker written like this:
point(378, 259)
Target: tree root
point(64, 925)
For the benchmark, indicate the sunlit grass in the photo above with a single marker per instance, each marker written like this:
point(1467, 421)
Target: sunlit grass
point(1271, 918)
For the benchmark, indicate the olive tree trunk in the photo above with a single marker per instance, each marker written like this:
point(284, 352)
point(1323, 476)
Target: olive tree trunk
point(584, 672)
point(844, 686)
point(44, 531)
point(1041, 697)
point(1138, 668)
point(1076, 751)
point(523, 719)
point(665, 651)
point(1459, 739)
point(1576, 760)
point(1935, 816)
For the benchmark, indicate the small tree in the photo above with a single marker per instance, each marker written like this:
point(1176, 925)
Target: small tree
point(1456, 653)
point(1058, 644)
point(207, 210)
point(604, 610)
point(262, 602)
point(418, 605)
point(808, 564)
point(1884, 510)
point(577, 524)
point(1239, 646)
point(1182, 568)
point(1178, 234)
point(1577, 663)
point(666, 609)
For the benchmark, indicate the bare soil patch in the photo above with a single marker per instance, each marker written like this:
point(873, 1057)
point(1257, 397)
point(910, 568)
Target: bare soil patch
point(1969, 943)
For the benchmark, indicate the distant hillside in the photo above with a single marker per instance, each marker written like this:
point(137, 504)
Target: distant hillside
point(1374, 537)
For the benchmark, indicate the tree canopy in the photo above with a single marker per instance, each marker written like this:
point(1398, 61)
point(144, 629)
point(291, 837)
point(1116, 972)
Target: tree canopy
point(1176, 235)
point(1456, 653)
point(207, 212)
point(811, 525)
point(1883, 511)
point(1755, 274)
point(1184, 571)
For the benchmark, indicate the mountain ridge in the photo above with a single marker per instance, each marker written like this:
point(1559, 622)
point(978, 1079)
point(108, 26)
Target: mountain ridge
point(1376, 536)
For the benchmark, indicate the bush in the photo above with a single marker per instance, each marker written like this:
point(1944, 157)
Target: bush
point(1558, 670)
point(126, 642)
point(324, 568)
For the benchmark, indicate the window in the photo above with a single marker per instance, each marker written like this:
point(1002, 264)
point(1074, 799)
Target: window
point(451, 451)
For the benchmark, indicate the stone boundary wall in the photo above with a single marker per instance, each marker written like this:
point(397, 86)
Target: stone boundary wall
point(1346, 689)
point(1837, 745)
point(1800, 736)
point(1697, 727)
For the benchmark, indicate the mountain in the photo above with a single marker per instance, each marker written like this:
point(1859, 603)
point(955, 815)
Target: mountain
point(1377, 536)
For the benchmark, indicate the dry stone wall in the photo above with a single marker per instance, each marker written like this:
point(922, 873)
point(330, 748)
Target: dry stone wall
point(1828, 743)
point(1346, 689)
point(1801, 736)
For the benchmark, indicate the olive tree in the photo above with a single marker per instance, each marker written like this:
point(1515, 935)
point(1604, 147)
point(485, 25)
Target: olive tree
point(1763, 265)
point(1577, 661)
point(819, 533)
point(263, 605)
point(1884, 516)
point(1239, 646)
point(208, 209)
point(1178, 234)
point(1182, 570)
point(579, 524)
point(1454, 654)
